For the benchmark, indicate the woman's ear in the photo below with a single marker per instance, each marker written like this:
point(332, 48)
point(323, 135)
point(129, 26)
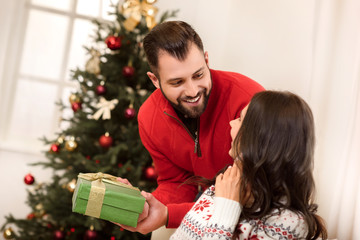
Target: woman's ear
point(248, 198)
point(154, 79)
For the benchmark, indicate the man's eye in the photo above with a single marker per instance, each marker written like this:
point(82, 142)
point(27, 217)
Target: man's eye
point(198, 76)
point(176, 83)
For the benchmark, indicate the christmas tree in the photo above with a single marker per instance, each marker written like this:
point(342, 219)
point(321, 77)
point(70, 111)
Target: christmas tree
point(101, 134)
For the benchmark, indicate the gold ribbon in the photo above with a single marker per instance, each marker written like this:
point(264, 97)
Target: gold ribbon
point(106, 178)
point(97, 191)
point(97, 176)
point(105, 108)
point(133, 10)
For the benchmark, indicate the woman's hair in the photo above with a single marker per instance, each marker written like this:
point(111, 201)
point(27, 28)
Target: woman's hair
point(275, 145)
point(173, 37)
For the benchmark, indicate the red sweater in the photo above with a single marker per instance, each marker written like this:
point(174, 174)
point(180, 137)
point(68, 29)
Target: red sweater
point(172, 147)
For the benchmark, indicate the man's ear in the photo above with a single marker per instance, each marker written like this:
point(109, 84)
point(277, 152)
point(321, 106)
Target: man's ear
point(206, 55)
point(154, 79)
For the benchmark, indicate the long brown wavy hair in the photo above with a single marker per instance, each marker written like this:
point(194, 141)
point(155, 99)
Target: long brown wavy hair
point(275, 145)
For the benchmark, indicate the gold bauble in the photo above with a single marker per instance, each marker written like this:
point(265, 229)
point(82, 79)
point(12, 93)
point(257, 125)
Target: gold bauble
point(60, 140)
point(9, 233)
point(38, 186)
point(39, 207)
point(142, 92)
point(39, 210)
point(71, 185)
point(71, 145)
point(74, 98)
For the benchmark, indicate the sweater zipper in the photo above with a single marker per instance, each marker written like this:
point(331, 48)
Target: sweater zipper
point(196, 139)
point(197, 143)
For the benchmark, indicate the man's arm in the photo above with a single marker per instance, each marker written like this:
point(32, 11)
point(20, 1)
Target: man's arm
point(158, 215)
point(170, 176)
point(170, 191)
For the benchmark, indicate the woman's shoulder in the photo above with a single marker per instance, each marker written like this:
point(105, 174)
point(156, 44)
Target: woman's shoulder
point(287, 217)
point(283, 224)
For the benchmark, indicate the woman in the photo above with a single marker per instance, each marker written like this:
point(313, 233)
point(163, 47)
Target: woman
point(268, 192)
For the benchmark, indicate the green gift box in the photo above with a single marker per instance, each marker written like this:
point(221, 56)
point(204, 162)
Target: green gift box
point(100, 195)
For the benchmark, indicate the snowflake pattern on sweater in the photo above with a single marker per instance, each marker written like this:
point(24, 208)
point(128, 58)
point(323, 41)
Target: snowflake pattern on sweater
point(216, 218)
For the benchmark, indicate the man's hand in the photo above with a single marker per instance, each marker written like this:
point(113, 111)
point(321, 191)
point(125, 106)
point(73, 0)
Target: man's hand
point(123, 180)
point(145, 211)
point(156, 217)
point(153, 216)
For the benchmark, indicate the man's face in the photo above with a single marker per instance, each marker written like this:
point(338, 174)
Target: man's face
point(185, 84)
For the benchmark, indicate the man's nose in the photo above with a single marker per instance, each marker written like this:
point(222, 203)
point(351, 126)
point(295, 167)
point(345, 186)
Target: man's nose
point(191, 89)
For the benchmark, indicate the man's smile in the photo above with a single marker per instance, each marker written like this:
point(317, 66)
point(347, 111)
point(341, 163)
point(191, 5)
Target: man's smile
point(193, 100)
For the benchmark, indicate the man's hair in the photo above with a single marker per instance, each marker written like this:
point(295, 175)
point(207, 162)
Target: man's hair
point(173, 37)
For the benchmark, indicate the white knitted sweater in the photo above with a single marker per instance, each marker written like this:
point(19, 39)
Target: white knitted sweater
point(216, 218)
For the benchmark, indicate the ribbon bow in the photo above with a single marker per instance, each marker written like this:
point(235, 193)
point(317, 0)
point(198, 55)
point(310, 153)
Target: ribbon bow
point(104, 177)
point(104, 108)
point(133, 10)
point(97, 176)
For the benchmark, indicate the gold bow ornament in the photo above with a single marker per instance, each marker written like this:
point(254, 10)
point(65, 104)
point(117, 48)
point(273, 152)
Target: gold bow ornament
point(133, 10)
point(105, 108)
point(97, 191)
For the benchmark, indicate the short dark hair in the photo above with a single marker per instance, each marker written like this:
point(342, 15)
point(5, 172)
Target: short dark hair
point(173, 37)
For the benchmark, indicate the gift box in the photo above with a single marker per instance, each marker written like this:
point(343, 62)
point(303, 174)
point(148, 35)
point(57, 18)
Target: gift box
point(100, 195)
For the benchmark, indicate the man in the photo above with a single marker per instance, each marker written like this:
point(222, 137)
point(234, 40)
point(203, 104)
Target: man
point(184, 124)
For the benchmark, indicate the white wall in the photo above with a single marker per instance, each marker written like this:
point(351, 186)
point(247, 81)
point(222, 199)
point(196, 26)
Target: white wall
point(6, 21)
point(269, 41)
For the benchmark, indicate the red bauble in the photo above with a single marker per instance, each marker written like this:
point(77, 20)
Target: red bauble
point(130, 113)
point(113, 42)
point(29, 179)
point(90, 235)
point(100, 90)
point(31, 216)
point(105, 141)
point(128, 71)
point(76, 106)
point(59, 235)
point(150, 173)
point(55, 148)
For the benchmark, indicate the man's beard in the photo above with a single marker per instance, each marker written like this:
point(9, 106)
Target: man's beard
point(193, 112)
